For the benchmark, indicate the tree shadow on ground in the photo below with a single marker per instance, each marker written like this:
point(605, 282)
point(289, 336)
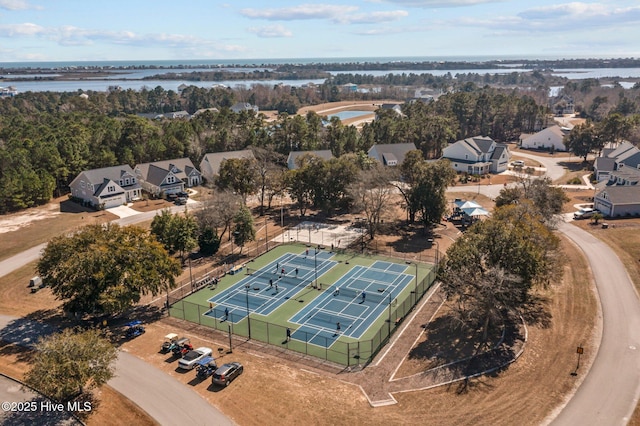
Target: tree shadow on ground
point(576, 166)
point(68, 206)
point(536, 311)
point(447, 343)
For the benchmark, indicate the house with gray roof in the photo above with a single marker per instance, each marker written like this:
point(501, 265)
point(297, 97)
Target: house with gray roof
point(294, 157)
point(244, 106)
point(210, 164)
point(107, 187)
point(619, 196)
point(478, 155)
point(168, 177)
point(391, 154)
point(613, 159)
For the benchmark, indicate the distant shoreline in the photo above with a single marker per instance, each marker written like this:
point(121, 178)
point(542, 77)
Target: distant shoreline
point(324, 64)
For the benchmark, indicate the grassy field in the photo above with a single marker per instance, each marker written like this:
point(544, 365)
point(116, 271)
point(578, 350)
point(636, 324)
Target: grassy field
point(271, 328)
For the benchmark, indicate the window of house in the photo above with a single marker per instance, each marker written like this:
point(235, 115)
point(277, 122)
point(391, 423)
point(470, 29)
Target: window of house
point(111, 188)
point(81, 184)
point(126, 181)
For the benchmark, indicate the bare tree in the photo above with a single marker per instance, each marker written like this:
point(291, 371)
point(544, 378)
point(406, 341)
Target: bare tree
point(371, 195)
point(218, 212)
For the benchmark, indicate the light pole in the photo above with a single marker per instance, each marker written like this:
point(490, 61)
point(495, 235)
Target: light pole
point(389, 316)
point(282, 218)
point(315, 266)
point(266, 234)
point(246, 286)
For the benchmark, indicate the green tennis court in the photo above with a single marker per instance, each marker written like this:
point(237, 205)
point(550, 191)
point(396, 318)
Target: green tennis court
point(338, 306)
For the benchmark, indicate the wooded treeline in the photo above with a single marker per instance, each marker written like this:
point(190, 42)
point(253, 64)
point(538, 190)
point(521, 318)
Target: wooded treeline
point(47, 138)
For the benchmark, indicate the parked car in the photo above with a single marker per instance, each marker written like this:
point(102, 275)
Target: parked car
point(181, 201)
point(227, 373)
point(517, 163)
point(584, 213)
point(183, 194)
point(191, 358)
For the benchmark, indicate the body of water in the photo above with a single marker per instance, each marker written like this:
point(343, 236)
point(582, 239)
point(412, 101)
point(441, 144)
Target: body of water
point(346, 115)
point(131, 78)
point(103, 85)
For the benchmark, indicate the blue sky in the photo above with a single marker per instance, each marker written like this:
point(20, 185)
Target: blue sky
point(86, 30)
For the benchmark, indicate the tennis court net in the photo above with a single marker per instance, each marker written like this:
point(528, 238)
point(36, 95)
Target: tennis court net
point(269, 277)
point(372, 296)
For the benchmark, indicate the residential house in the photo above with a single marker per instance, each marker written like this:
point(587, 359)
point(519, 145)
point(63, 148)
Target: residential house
point(349, 88)
point(203, 110)
point(8, 92)
point(107, 187)
point(478, 155)
point(168, 177)
point(177, 114)
point(390, 154)
point(551, 138)
point(612, 159)
point(294, 156)
point(619, 196)
point(244, 106)
point(397, 108)
point(210, 164)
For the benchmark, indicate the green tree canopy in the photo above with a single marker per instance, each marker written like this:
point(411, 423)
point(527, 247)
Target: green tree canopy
point(70, 363)
point(105, 269)
point(493, 266)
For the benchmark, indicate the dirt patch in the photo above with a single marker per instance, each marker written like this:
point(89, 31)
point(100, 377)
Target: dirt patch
point(333, 107)
point(21, 231)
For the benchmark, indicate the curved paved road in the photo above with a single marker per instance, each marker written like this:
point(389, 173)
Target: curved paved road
point(609, 393)
point(165, 399)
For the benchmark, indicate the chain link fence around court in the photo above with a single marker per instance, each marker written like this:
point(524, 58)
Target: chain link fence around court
point(340, 351)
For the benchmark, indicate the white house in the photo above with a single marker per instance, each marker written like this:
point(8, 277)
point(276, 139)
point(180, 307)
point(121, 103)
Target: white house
point(478, 155)
point(168, 177)
point(549, 138)
point(210, 164)
point(107, 187)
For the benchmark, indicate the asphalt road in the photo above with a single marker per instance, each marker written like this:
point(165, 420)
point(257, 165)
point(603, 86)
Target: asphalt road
point(610, 391)
point(165, 399)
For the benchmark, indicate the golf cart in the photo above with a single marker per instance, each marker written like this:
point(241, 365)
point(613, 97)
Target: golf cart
point(205, 367)
point(182, 346)
point(169, 343)
point(134, 329)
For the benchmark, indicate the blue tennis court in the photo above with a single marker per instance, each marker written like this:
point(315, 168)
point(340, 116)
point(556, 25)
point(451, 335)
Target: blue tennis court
point(352, 304)
point(265, 290)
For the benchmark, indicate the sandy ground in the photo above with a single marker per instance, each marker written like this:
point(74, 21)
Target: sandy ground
point(15, 221)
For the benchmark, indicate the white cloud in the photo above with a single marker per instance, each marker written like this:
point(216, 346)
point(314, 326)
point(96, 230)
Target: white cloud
point(432, 4)
point(568, 17)
point(372, 18)
point(26, 29)
point(15, 5)
point(304, 11)
point(271, 31)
